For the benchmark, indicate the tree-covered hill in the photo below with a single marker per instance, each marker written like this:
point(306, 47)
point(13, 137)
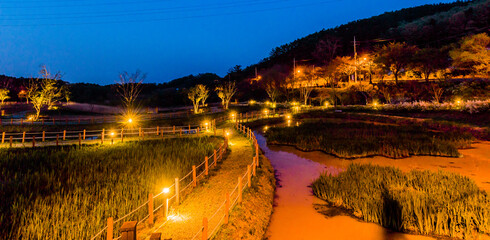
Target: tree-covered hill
point(431, 25)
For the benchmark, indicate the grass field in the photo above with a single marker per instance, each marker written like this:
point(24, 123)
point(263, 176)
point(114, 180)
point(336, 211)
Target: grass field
point(362, 139)
point(76, 190)
point(425, 202)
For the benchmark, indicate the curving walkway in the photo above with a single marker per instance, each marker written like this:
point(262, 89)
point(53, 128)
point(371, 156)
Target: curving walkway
point(186, 220)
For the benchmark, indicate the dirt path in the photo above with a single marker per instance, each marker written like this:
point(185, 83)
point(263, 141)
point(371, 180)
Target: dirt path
point(294, 216)
point(187, 220)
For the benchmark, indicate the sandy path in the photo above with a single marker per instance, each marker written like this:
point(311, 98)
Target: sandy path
point(294, 216)
point(209, 195)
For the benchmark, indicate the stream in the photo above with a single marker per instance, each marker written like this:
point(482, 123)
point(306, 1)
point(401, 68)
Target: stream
point(294, 215)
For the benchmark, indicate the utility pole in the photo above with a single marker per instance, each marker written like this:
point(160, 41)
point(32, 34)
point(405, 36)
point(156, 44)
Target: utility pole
point(294, 68)
point(355, 61)
point(255, 72)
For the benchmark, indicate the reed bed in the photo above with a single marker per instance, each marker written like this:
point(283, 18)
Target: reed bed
point(68, 193)
point(424, 202)
point(361, 139)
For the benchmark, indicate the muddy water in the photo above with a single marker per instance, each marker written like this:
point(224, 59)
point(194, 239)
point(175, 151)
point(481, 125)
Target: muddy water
point(294, 216)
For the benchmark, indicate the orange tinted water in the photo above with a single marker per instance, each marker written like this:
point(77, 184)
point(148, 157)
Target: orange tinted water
point(294, 216)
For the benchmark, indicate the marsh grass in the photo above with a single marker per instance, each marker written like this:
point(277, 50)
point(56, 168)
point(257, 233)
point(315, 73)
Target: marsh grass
point(424, 202)
point(360, 139)
point(68, 193)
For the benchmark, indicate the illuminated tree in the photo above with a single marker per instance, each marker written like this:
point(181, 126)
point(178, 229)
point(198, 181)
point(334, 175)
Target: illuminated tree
point(194, 95)
point(4, 94)
point(436, 91)
point(44, 91)
point(226, 91)
point(306, 79)
point(395, 57)
point(203, 93)
point(272, 91)
point(129, 87)
point(472, 54)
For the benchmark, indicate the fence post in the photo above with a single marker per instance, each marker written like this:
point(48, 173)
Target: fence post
point(3, 137)
point(194, 180)
point(139, 132)
point(110, 226)
point(214, 157)
point(11, 140)
point(102, 136)
point(180, 132)
point(227, 208)
point(197, 131)
point(189, 129)
point(239, 189)
point(64, 135)
point(21, 121)
point(249, 177)
point(166, 208)
point(33, 141)
point(23, 136)
point(44, 135)
point(57, 139)
point(177, 193)
point(158, 130)
point(156, 236)
point(150, 208)
point(42, 121)
point(204, 229)
point(253, 169)
point(83, 134)
point(206, 165)
point(174, 130)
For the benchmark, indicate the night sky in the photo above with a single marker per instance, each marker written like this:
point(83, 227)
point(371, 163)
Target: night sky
point(94, 40)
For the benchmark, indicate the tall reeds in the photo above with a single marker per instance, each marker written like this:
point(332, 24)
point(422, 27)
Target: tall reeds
point(68, 193)
point(360, 139)
point(424, 202)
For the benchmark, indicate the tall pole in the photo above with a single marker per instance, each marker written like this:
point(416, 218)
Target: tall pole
point(355, 61)
point(255, 72)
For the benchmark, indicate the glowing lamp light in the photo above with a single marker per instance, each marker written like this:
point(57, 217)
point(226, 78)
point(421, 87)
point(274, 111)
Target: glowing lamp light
point(166, 190)
point(112, 134)
point(130, 120)
point(326, 104)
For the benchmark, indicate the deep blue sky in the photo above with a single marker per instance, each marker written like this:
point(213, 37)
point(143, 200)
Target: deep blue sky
point(94, 40)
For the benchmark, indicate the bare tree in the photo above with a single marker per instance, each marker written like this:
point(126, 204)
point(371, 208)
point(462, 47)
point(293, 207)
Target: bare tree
point(437, 92)
point(49, 85)
point(272, 91)
point(226, 92)
point(128, 88)
point(195, 97)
